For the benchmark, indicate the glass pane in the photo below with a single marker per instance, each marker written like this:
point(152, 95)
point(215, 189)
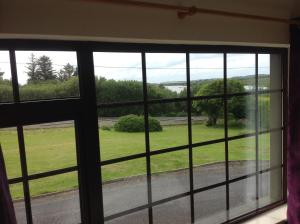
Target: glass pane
point(210, 206)
point(242, 197)
point(55, 199)
point(10, 148)
point(207, 70)
point(270, 150)
point(209, 165)
point(170, 174)
point(122, 131)
point(173, 212)
point(269, 111)
point(50, 146)
point(118, 77)
point(47, 74)
point(240, 72)
point(269, 71)
point(172, 125)
point(207, 120)
point(241, 157)
point(17, 195)
point(270, 187)
point(241, 115)
point(140, 217)
point(6, 92)
point(124, 186)
point(166, 75)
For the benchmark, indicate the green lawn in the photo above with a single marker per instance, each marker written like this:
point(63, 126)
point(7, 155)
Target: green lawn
point(48, 149)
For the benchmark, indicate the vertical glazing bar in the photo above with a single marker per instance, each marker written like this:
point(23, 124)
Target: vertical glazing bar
point(284, 105)
point(256, 132)
point(189, 110)
point(147, 140)
point(20, 132)
point(226, 133)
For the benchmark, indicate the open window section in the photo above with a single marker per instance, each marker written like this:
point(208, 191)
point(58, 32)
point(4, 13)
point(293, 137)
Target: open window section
point(118, 77)
point(10, 148)
point(122, 131)
point(124, 186)
point(209, 165)
point(170, 174)
point(206, 74)
point(47, 74)
point(55, 199)
point(6, 90)
point(166, 75)
point(168, 125)
point(50, 146)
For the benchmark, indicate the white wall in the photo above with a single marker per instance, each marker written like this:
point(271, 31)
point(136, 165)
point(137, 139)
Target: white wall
point(76, 19)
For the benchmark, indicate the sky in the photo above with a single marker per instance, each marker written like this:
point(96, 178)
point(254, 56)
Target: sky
point(161, 67)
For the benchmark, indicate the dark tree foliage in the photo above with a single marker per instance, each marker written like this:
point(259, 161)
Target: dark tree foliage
point(1, 75)
point(67, 72)
point(45, 69)
point(32, 69)
point(214, 108)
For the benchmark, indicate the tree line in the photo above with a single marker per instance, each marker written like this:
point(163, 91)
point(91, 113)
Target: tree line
point(44, 83)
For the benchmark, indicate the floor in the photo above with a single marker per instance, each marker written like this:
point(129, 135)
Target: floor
point(272, 217)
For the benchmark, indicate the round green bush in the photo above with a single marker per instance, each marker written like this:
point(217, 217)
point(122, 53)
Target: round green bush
point(134, 123)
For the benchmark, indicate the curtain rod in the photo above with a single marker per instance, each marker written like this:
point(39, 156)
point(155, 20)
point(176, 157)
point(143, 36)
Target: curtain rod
point(183, 11)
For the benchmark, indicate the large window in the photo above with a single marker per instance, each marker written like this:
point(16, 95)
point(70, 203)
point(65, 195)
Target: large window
point(143, 133)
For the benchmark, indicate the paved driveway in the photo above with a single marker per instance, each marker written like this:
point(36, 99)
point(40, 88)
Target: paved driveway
point(129, 193)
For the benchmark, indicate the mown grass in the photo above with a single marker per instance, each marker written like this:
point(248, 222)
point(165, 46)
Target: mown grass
point(54, 148)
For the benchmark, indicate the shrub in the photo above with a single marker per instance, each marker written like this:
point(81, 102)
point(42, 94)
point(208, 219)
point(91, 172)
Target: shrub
point(105, 128)
point(134, 123)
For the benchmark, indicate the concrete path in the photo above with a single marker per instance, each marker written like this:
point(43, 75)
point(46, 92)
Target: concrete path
point(122, 195)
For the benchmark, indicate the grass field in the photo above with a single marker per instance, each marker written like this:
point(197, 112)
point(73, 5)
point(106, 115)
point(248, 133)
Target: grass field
point(54, 148)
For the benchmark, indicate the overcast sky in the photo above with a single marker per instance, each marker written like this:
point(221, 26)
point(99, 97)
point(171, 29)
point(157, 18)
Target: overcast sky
point(161, 67)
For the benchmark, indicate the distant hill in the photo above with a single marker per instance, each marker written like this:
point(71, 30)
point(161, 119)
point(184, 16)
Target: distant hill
point(264, 81)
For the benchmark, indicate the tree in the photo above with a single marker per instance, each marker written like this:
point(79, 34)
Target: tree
point(67, 72)
point(214, 108)
point(32, 69)
point(1, 75)
point(45, 69)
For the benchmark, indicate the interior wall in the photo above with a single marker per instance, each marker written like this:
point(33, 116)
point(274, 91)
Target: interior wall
point(90, 20)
